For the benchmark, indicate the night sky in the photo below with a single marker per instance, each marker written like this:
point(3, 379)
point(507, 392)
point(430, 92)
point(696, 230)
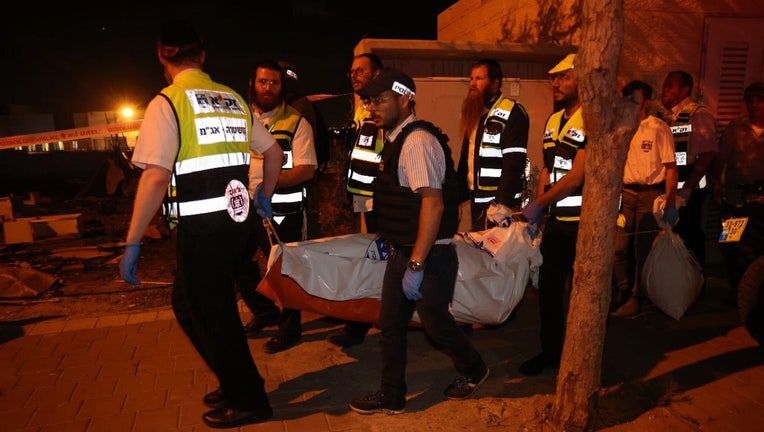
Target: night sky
point(66, 58)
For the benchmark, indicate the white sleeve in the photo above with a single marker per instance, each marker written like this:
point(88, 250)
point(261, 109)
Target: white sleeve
point(158, 137)
point(303, 147)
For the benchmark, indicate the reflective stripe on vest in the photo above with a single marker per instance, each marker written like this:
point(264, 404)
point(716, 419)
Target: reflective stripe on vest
point(283, 125)
point(366, 155)
point(204, 163)
point(490, 152)
point(361, 178)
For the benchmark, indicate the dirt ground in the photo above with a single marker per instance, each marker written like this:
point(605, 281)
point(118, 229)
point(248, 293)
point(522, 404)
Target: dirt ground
point(86, 266)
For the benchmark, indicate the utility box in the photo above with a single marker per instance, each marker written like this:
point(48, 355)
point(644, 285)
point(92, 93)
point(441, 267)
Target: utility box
point(28, 230)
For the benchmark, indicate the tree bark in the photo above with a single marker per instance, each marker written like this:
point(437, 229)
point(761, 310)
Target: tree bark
point(610, 122)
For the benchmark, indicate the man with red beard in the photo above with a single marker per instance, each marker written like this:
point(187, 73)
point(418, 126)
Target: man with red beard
point(295, 136)
point(494, 131)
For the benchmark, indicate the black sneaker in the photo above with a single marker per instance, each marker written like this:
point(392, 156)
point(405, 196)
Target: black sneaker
point(463, 387)
point(345, 340)
point(376, 403)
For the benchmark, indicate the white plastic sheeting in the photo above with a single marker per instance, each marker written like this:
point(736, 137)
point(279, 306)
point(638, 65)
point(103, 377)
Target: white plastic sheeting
point(487, 288)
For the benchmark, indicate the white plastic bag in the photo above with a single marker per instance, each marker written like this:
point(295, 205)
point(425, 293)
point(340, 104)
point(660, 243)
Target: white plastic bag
point(672, 277)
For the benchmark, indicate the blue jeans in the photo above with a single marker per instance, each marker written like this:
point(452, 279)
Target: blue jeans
point(396, 311)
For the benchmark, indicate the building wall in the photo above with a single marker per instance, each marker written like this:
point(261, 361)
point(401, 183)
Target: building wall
point(659, 35)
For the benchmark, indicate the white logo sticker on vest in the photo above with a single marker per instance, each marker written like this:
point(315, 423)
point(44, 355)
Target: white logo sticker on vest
point(498, 112)
point(548, 134)
point(366, 141)
point(576, 135)
point(681, 158)
point(681, 129)
point(491, 138)
point(563, 163)
point(208, 101)
point(238, 200)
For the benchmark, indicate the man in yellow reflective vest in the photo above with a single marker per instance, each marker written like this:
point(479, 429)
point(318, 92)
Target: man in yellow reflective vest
point(196, 137)
point(560, 190)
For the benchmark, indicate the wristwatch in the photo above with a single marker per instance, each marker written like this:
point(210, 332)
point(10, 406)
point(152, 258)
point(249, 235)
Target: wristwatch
point(415, 266)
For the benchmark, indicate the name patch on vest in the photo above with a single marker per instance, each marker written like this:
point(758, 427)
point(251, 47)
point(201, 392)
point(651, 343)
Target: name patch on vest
point(213, 130)
point(681, 129)
point(238, 200)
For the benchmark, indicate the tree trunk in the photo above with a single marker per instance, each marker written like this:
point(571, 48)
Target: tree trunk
point(610, 122)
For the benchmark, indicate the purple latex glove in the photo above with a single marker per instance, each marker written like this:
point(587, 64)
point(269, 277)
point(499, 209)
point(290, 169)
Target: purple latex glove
point(532, 213)
point(412, 281)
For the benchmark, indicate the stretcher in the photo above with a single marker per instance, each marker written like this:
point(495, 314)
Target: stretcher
point(334, 277)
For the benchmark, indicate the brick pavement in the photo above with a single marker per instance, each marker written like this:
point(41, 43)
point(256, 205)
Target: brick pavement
point(137, 372)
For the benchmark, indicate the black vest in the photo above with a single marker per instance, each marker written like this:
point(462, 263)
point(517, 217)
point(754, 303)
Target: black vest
point(398, 207)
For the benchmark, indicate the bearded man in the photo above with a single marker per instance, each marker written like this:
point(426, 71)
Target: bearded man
point(295, 137)
point(494, 132)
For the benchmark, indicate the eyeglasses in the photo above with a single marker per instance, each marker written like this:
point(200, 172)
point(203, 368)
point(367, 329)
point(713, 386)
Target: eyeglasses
point(357, 71)
point(375, 101)
point(271, 83)
point(562, 76)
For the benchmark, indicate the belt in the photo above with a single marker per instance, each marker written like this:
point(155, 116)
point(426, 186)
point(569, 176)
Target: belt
point(644, 187)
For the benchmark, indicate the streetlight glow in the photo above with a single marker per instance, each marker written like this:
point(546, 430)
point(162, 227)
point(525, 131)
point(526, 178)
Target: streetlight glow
point(127, 113)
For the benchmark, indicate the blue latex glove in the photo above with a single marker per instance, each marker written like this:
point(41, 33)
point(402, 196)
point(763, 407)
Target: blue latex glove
point(129, 263)
point(532, 213)
point(264, 208)
point(670, 216)
point(412, 281)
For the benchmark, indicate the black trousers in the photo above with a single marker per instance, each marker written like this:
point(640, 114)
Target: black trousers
point(558, 248)
point(396, 310)
point(289, 230)
point(479, 211)
point(690, 225)
point(204, 302)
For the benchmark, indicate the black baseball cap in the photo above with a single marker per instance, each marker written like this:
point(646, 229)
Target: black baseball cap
point(390, 79)
point(178, 33)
